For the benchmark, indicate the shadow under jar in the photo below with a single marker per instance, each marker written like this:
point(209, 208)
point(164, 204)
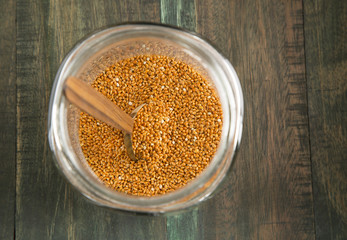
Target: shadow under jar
point(97, 52)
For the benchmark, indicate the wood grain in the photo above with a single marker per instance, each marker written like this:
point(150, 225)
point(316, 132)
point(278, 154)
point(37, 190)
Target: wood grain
point(182, 14)
point(326, 62)
point(179, 13)
point(269, 193)
point(47, 207)
point(289, 120)
point(7, 117)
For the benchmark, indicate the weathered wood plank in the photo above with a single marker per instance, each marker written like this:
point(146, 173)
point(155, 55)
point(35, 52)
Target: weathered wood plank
point(178, 13)
point(269, 193)
point(7, 117)
point(184, 225)
point(326, 63)
point(182, 14)
point(47, 207)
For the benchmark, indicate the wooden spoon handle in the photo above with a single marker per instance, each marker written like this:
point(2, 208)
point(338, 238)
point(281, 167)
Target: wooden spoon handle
point(91, 101)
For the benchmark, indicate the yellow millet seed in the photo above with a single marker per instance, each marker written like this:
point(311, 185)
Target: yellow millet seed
point(176, 133)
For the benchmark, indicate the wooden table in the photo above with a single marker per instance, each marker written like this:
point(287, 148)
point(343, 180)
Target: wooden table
point(289, 180)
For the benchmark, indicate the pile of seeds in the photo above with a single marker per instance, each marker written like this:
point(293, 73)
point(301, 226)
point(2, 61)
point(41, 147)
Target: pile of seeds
point(176, 133)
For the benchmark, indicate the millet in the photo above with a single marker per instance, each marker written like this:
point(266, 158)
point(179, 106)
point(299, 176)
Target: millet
point(176, 133)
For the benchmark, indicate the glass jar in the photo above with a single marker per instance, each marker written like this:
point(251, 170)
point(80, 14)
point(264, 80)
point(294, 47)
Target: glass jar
point(92, 56)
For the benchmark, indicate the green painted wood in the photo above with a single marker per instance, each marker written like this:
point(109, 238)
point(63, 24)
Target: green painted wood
point(326, 63)
point(269, 192)
point(7, 118)
point(179, 13)
point(182, 14)
point(184, 225)
point(47, 207)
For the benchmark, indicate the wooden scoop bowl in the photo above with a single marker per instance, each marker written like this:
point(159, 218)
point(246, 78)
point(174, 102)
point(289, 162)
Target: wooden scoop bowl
point(94, 103)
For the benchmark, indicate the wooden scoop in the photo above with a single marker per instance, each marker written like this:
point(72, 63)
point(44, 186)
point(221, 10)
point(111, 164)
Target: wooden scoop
point(94, 103)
